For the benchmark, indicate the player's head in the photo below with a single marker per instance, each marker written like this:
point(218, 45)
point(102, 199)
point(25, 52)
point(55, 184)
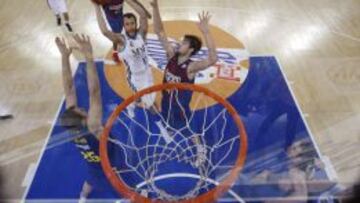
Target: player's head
point(301, 154)
point(130, 23)
point(73, 119)
point(190, 45)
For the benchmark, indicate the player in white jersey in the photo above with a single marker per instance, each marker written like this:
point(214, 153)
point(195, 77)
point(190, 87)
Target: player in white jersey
point(133, 52)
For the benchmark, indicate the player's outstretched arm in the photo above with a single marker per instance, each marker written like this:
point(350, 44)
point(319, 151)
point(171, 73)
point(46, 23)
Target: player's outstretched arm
point(140, 9)
point(203, 25)
point(95, 110)
point(148, 14)
point(159, 30)
point(116, 38)
point(68, 85)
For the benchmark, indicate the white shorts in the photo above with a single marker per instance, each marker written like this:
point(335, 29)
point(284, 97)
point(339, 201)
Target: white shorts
point(58, 6)
point(142, 81)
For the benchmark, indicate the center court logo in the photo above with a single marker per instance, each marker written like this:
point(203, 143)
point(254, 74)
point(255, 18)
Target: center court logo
point(224, 78)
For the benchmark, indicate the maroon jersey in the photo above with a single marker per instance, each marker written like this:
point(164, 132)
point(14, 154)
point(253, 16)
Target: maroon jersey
point(175, 105)
point(177, 73)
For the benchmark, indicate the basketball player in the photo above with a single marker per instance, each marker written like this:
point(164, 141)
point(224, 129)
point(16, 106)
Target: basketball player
point(84, 126)
point(181, 69)
point(59, 8)
point(133, 51)
point(114, 15)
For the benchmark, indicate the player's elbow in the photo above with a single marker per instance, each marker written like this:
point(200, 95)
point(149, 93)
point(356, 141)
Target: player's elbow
point(106, 33)
point(94, 91)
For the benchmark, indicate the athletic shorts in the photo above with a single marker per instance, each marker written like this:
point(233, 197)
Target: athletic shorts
point(58, 6)
point(116, 22)
point(175, 110)
point(140, 81)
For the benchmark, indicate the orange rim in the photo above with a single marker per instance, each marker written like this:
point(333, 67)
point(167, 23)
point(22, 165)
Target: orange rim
point(210, 196)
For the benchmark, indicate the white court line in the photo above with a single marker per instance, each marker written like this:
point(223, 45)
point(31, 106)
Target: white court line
point(293, 20)
point(43, 150)
point(76, 64)
point(29, 175)
point(188, 175)
point(311, 135)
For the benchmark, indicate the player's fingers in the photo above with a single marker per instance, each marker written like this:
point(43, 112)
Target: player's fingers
point(76, 37)
point(63, 41)
point(82, 37)
point(209, 17)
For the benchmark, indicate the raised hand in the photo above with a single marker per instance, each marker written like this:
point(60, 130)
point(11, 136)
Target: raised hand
point(64, 50)
point(84, 45)
point(154, 3)
point(204, 18)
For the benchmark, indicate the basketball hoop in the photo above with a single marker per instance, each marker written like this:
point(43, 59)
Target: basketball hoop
point(203, 192)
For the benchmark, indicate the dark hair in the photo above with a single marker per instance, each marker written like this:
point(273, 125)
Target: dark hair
point(131, 15)
point(71, 119)
point(195, 43)
point(308, 155)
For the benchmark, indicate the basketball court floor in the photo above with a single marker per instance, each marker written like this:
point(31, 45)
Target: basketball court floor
point(289, 68)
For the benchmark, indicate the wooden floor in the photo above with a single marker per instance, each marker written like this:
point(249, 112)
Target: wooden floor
point(317, 43)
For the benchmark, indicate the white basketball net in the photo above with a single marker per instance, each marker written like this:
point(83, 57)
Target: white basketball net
point(207, 152)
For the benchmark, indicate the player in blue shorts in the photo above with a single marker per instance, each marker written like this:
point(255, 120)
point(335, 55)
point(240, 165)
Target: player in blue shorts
point(182, 69)
point(85, 127)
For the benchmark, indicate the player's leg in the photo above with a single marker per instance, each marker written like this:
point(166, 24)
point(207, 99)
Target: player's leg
point(131, 79)
point(86, 190)
point(54, 8)
point(67, 21)
point(180, 114)
point(149, 102)
point(6, 116)
point(200, 151)
point(143, 81)
point(58, 20)
point(62, 8)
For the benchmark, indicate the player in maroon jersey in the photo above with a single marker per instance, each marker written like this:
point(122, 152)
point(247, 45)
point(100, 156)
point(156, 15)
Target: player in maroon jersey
point(181, 69)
